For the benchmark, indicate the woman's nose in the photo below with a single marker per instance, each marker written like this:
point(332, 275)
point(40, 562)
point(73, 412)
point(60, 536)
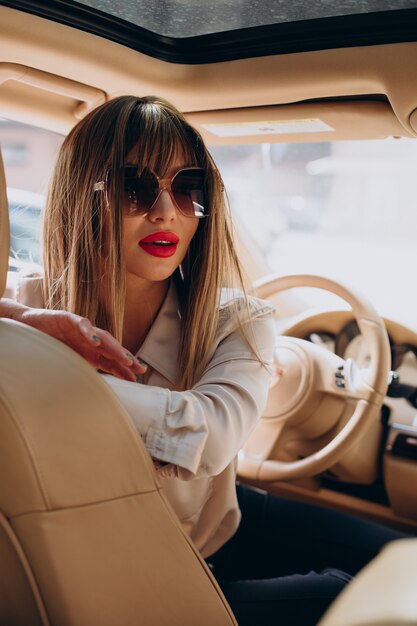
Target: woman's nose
point(164, 208)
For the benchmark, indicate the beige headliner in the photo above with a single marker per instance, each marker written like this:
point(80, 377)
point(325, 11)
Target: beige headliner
point(223, 92)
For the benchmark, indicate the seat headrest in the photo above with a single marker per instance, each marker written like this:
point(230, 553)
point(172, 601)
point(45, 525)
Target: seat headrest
point(4, 229)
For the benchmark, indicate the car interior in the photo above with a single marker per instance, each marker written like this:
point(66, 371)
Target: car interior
point(340, 425)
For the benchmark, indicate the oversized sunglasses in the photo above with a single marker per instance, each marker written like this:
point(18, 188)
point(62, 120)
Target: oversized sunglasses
point(141, 191)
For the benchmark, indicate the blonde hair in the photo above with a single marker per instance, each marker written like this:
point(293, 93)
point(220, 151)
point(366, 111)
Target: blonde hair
point(83, 240)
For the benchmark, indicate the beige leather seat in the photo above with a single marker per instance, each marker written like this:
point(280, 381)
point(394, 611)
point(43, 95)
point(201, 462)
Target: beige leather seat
point(383, 594)
point(86, 536)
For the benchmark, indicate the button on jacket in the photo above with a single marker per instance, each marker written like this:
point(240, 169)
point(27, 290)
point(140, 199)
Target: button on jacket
point(195, 435)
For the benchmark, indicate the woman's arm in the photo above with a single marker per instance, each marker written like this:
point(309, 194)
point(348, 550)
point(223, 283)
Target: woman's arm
point(97, 346)
point(201, 430)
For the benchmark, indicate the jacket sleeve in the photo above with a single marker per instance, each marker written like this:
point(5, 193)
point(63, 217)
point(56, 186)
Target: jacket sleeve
point(200, 431)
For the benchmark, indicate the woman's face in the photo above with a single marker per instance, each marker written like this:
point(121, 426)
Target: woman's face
point(156, 243)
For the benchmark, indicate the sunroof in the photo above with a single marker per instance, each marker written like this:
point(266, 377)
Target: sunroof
point(210, 31)
point(188, 18)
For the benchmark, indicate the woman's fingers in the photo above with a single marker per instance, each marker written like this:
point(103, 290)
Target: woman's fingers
point(111, 349)
point(110, 366)
point(97, 346)
point(89, 331)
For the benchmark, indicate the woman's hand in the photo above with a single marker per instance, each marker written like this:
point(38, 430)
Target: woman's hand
point(97, 346)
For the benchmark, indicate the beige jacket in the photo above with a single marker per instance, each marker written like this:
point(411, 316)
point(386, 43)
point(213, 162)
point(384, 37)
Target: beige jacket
point(198, 432)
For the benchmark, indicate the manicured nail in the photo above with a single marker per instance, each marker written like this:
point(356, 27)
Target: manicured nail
point(96, 338)
point(142, 363)
point(130, 356)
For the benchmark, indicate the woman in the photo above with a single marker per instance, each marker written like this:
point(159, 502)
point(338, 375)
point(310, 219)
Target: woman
point(138, 250)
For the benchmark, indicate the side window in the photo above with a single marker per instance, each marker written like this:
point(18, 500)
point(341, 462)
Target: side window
point(29, 154)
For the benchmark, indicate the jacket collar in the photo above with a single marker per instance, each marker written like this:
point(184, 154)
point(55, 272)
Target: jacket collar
point(160, 349)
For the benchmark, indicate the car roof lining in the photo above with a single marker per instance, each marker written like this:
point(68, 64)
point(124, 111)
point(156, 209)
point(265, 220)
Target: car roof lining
point(367, 92)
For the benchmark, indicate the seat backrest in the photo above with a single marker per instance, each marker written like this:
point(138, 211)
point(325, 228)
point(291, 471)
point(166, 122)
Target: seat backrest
point(86, 536)
point(383, 593)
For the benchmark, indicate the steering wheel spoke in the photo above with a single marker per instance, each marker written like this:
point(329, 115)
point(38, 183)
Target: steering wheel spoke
point(350, 382)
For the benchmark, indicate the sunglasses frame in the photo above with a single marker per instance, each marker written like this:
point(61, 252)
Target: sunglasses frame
point(164, 184)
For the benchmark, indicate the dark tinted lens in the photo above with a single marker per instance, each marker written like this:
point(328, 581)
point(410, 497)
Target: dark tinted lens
point(188, 190)
point(139, 191)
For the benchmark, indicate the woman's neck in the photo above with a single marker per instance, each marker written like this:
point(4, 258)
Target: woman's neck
point(142, 304)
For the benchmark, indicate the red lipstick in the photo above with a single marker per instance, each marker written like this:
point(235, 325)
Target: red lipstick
point(160, 244)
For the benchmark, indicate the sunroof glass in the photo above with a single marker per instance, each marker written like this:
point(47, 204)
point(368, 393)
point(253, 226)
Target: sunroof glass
point(187, 18)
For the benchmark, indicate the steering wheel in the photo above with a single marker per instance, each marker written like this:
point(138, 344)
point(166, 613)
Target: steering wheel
point(317, 398)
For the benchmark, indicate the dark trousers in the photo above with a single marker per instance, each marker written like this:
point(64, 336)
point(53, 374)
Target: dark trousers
point(289, 560)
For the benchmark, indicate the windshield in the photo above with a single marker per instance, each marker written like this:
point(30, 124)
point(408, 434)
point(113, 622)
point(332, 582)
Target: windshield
point(346, 210)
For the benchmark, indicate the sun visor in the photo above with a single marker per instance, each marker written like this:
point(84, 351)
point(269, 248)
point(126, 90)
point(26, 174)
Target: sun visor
point(301, 122)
